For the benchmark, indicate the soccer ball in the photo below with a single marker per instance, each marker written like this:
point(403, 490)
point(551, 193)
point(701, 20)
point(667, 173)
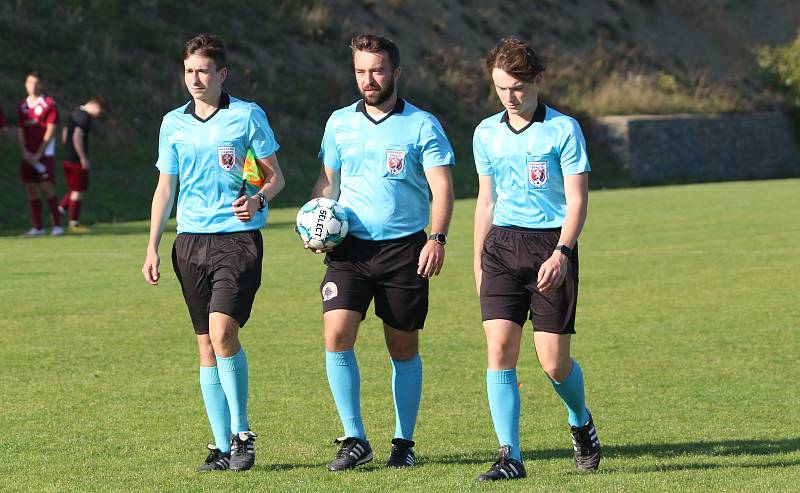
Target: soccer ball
point(322, 223)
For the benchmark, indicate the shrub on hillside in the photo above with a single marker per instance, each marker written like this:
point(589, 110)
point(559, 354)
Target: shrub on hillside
point(782, 64)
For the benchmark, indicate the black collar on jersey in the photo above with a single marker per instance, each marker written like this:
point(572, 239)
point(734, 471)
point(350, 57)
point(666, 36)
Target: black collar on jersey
point(224, 103)
point(399, 106)
point(538, 117)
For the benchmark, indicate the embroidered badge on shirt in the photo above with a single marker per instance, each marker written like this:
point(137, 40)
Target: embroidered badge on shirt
point(537, 173)
point(395, 161)
point(227, 157)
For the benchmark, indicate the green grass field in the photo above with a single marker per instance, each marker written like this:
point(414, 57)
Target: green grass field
point(687, 333)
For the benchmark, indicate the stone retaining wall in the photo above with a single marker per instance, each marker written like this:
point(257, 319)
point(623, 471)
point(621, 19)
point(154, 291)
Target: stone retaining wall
point(695, 148)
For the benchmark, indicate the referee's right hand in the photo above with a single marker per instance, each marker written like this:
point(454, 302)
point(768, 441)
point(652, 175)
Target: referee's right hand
point(150, 268)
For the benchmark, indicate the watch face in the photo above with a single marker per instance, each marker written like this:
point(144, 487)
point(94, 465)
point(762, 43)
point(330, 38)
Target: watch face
point(438, 237)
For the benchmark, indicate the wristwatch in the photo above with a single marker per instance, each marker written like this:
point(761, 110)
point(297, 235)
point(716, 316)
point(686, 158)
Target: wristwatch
point(262, 201)
point(567, 251)
point(440, 238)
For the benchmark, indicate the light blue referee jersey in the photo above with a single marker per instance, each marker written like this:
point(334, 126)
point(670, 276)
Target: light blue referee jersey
point(383, 163)
point(208, 157)
point(529, 166)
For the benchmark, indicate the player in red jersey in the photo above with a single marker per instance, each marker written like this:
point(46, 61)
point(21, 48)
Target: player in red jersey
point(76, 158)
point(37, 117)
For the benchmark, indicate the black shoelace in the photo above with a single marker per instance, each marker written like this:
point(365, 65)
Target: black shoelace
point(239, 446)
point(500, 464)
point(347, 447)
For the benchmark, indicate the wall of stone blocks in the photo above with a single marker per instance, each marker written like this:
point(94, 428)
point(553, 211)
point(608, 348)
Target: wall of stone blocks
point(656, 149)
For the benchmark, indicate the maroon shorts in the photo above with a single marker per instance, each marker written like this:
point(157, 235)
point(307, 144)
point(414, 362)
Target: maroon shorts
point(510, 262)
point(28, 173)
point(77, 177)
point(360, 270)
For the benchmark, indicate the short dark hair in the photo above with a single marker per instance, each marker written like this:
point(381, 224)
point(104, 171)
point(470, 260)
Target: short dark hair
point(375, 44)
point(34, 73)
point(516, 58)
point(206, 45)
point(102, 101)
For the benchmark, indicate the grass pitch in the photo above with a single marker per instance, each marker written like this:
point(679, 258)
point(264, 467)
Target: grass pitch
point(687, 334)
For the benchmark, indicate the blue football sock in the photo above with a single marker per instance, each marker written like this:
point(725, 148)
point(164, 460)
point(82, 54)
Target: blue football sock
point(345, 382)
point(572, 393)
point(233, 377)
point(219, 416)
point(407, 391)
point(501, 386)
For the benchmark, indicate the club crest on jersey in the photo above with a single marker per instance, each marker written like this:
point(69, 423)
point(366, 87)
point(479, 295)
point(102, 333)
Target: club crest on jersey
point(226, 157)
point(395, 161)
point(329, 291)
point(537, 173)
point(38, 110)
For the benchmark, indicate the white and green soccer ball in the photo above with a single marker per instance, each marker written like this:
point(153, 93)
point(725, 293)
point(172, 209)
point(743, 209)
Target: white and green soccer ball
point(322, 223)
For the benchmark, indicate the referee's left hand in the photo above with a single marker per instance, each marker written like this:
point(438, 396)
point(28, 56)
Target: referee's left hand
point(431, 259)
point(244, 208)
point(552, 272)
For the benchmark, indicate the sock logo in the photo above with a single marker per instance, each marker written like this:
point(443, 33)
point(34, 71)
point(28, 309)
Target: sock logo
point(329, 291)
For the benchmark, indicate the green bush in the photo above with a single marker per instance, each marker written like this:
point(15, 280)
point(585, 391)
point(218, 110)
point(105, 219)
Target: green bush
point(782, 65)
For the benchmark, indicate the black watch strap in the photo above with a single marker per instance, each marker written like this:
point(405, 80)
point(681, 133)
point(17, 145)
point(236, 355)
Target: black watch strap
point(565, 250)
point(262, 201)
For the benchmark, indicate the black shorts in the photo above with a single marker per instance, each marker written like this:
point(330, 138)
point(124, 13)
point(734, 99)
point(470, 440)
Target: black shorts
point(510, 262)
point(218, 273)
point(359, 270)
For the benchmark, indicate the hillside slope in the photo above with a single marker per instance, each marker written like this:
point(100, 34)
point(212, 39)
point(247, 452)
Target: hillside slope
point(292, 58)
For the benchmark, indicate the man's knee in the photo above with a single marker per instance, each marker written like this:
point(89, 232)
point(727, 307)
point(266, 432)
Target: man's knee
point(206, 350)
point(557, 370)
point(402, 345)
point(224, 334)
point(403, 353)
point(340, 328)
point(32, 191)
point(339, 338)
point(47, 189)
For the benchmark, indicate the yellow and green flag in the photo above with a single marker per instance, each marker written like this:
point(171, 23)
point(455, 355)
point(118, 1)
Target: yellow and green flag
point(251, 173)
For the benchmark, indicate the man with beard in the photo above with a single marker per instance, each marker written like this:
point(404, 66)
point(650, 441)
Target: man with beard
point(379, 156)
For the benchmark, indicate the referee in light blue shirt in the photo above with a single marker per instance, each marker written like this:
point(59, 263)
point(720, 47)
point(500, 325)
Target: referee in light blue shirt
point(379, 157)
point(533, 192)
point(217, 254)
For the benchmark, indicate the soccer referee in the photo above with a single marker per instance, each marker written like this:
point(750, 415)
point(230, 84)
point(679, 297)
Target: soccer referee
point(379, 156)
point(533, 193)
point(217, 253)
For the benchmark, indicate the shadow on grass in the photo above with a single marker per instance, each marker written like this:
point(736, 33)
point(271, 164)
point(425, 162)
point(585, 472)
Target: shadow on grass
point(119, 229)
point(288, 467)
point(721, 448)
point(371, 467)
point(700, 466)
